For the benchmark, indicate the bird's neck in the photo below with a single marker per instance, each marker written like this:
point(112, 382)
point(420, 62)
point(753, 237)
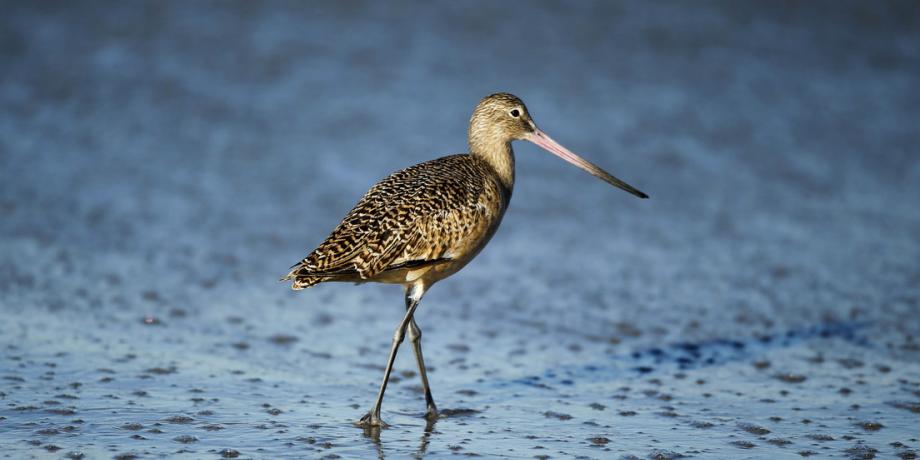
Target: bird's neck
point(500, 157)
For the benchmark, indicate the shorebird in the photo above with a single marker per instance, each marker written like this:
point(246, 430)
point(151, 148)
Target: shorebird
point(424, 223)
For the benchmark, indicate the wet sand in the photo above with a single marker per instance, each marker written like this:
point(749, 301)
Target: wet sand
point(169, 161)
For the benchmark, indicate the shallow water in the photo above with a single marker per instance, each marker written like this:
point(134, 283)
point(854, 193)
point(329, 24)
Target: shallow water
point(147, 391)
point(169, 161)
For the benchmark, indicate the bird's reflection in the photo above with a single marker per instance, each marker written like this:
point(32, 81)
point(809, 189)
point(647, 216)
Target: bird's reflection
point(426, 437)
point(372, 433)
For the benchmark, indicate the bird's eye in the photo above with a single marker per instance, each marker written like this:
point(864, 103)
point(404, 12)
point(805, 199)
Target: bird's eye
point(515, 113)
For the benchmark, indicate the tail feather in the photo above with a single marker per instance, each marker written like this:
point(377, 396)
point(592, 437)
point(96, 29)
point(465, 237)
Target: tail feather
point(302, 278)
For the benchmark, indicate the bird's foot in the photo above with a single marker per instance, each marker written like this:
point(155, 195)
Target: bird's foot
point(432, 413)
point(371, 420)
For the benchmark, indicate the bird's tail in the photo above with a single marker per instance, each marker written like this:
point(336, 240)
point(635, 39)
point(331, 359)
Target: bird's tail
point(302, 278)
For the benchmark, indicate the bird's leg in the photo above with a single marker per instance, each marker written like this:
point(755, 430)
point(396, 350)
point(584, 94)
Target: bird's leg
point(415, 336)
point(372, 418)
point(413, 297)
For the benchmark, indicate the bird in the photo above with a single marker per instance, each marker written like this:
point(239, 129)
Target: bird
point(424, 223)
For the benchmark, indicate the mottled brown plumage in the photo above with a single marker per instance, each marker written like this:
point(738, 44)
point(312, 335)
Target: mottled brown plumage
point(426, 222)
point(414, 219)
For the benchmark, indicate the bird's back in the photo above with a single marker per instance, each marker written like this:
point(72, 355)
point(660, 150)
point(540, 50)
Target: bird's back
point(430, 213)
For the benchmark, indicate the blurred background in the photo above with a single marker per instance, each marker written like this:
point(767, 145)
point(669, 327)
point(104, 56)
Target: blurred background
point(163, 163)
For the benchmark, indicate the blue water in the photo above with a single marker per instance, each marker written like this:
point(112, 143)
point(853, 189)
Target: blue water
point(163, 164)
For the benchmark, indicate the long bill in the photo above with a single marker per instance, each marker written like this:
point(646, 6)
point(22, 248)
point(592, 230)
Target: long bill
point(540, 138)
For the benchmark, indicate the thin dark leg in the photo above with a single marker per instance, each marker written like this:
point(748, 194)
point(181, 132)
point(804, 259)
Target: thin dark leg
point(373, 417)
point(415, 336)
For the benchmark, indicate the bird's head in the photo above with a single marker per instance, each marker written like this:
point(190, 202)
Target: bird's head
point(501, 118)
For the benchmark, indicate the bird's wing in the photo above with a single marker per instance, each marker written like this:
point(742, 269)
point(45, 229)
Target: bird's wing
point(405, 219)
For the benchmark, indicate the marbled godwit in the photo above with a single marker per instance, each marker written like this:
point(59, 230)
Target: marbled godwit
point(424, 223)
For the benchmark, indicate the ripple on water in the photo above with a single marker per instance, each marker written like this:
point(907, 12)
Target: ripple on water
point(179, 419)
point(861, 451)
point(753, 429)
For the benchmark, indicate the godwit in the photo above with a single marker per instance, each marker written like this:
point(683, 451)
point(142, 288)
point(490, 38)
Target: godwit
point(424, 223)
